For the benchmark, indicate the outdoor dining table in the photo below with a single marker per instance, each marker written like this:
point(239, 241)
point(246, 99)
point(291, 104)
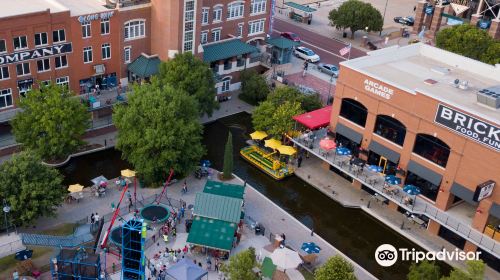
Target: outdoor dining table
point(375, 168)
point(343, 151)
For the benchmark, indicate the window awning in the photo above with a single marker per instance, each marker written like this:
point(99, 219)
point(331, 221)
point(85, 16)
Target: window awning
point(425, 173)
point(315, 119)
point(463, 193)
point(218, 207)
point(223, 189)
point(300, 7)
point(226, 49)
point(495, 210)
point(282, 43)
point(384, 151)
point(145, 66)
point(349, 133)
point(212, 233)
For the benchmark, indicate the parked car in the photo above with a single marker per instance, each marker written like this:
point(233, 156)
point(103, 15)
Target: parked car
point(290, 36)
point(306, 54)
point(328, 69)
point(405, 20)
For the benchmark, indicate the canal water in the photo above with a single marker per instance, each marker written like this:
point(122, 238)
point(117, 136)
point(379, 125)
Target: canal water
point(352, 231)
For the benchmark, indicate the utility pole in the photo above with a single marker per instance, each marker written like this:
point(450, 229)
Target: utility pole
point(383, 17)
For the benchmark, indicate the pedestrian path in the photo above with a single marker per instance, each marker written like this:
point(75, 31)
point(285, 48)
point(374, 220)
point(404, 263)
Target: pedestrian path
point(55, 241)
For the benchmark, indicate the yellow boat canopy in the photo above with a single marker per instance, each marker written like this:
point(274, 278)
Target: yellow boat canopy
point(272, 143)
point(287, 150)
point(258, 135)
point(75, 188)
point(127, 173)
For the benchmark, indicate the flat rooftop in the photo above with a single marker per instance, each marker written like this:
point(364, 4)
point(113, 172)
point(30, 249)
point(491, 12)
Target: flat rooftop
point(76, 7)
point(408, 67)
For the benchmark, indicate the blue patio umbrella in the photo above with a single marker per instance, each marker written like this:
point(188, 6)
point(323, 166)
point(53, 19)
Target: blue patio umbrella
point(310, 248)
point(375, 168)
point(393, 180)
point(411, 190)
point(343, 151)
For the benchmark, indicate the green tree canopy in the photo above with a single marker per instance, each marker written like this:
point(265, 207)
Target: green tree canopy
point(31, 188)
point(466, 40)
point(228, 158)
point(356, 15)
point(253, 87)
point(492, 54)
point(424, 270)
point(158, 130)
point(474, 271)
point(240, 266)
point(336, 268)
point(51, 122)
point(309, 102)
point(188, 73)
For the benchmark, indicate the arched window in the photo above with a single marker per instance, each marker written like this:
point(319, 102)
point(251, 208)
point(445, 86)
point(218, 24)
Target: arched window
point(134, 29)
point(390, 128)
point(432, 148)
point(353, 111)
point(226, 82)
point(235, 9)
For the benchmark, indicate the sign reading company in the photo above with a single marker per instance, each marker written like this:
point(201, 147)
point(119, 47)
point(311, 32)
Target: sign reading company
point(35, 54)
point(484, 190)
point(378, 89)
point(475, 129)
point(101, 16)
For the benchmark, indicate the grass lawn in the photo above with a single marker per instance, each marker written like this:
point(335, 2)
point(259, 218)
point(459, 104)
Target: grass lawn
point(60, 230)
point(307, 275)
point(8, 263)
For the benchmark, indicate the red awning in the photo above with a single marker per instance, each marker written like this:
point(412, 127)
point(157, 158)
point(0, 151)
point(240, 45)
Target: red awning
point(315, 119)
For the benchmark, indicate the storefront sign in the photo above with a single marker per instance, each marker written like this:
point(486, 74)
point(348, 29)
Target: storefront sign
point(378, 89)
point(35, 54)
point(101, 16)
point(484, 190)
point(429, 10)
point(475, 129)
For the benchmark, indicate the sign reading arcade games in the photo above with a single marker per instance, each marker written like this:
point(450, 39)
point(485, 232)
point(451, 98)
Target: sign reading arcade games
point(35, 54)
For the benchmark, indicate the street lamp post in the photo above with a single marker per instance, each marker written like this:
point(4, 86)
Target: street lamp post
point(383, 16)
point(330, 91)
point(6, 209)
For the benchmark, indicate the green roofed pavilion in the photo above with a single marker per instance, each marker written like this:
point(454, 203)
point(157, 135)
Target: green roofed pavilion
point(212, 233)
point(300, 7)
point(145, 66)
point(218, 207)
point(229, 190)
point(282, 43)
point(226, 49)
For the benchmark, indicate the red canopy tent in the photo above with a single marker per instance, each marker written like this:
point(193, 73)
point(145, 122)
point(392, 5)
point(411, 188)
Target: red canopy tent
point(315, 119)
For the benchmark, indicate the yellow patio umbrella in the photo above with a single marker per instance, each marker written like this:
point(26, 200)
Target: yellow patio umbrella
point(286, 150)
point(272, 143)
point(75, 188)
point(128, 173)
point(258, 135)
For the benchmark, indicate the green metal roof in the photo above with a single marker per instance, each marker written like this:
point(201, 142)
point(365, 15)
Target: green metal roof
point(218, 207)
point(144, 66)
point(226, 49)
point(300, 7)
point(229, 190)
point(282, 43)
point(212, 233)
point(268, 268)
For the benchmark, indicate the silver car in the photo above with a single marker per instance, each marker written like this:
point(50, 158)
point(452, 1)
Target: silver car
point(328, 69)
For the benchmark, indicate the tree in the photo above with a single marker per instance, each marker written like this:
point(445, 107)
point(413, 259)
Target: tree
point(253, 87)
point(309, 102)
point(336, 268)
point(228, 158)
point(356, 15)
point(158, 130)
point(424, 270)
point(492, 54)
point(31, 188)
point(262, 116)
point(240, 266)
point(51, 122)
point(188, 73)
point(282, 118)
point(474, 271)
point(466, 40)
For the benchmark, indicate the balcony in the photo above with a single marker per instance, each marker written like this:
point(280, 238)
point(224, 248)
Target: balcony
point(376, 182)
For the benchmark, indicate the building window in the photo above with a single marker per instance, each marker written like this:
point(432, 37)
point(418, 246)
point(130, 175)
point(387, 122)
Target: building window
point(235, 10)
point(106, 51)
point(135, 29)
point(427, 188)
point(432, 148)
point(188, 26)
point(391, 129)
point(204, 37)
point(58, 36)
point(226, 82)
point(353, 111)
point(218, 13)
point(41, 39)
point(61, 61)
point(23, 69)
point(20, 43)
point(25, 88)
point(62, 81)
point(258, 6)
point(3, 46)
point(43, 65)
point(126, 54)
point(45, 83)
point(5, 98)
point(87, 54)
point(256, 27)
point(240, 30)
point(204, 15)
point(86, 31)
point(216, 35)
point(104, 26)
point(4, 73)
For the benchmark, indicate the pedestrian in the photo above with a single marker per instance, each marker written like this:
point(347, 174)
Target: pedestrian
point(306, 65)
point(130, 206)
point(15, 275)
point(129, 195)
point(96, 218)
point(199, 264)
point(174, 233)
point(209, 263)
point(154, 238)
point(184, 187)
point(97, 89)
point(299, 161)
point(182, 212)
point(216, 266)
point(92, 219)
point(414, 8)
point(284, 238)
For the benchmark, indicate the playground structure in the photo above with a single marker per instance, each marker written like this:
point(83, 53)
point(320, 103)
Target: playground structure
point(81, 263)
point(155, 213)
point(133, 239)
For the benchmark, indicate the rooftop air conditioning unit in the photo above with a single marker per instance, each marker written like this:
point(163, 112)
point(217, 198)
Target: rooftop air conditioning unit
point(464, 85)
point(489, 97)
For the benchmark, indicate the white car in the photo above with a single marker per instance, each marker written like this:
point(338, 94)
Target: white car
point(306, 54)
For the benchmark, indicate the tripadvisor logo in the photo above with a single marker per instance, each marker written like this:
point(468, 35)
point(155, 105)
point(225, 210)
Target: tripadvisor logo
point(387, 255)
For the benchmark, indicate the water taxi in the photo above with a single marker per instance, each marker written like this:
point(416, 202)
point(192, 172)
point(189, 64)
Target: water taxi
point(266, 162)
